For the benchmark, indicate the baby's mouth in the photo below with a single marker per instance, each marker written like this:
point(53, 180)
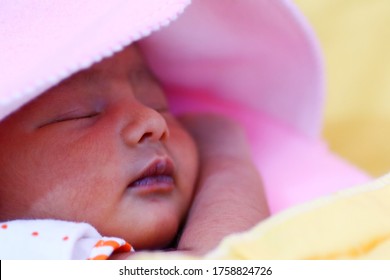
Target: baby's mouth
point(157, 177)
point(152, 180)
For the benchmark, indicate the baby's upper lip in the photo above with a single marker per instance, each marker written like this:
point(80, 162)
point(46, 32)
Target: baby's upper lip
point(160, 166)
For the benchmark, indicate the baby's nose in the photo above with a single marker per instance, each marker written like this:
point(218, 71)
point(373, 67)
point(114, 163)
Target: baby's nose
point(145, 124)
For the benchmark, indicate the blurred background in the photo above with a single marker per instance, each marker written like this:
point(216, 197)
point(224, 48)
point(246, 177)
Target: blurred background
point(355, 39)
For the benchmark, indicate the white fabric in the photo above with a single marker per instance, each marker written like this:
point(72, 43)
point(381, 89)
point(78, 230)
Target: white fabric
point(46, 239)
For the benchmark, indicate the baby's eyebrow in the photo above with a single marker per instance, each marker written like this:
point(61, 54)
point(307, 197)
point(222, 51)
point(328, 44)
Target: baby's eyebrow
point(140, 74)
point(86, 77)
point(91, 75)
point(90, 78)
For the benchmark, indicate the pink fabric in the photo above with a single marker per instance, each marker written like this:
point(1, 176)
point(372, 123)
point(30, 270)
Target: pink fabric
point(256, 61)
point(295, 168)
point(259, 63)
point(261, 54)
point(44, 41)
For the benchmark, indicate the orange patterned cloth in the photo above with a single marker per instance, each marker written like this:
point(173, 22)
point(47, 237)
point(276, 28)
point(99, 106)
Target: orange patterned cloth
point(106, 246)
point(54, 239)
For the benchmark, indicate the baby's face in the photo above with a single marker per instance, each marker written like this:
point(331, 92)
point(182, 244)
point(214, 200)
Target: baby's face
point(103, 148)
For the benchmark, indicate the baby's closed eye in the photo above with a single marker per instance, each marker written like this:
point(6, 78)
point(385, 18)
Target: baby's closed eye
point(73, 115)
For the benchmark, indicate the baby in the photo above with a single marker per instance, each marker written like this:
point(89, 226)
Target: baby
point(98, 152)
point(102, 147)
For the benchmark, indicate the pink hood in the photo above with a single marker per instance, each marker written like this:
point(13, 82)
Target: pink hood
point(255, 60)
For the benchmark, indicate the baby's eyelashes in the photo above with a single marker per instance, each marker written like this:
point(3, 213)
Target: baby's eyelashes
point(75, 118)
point(71, 116)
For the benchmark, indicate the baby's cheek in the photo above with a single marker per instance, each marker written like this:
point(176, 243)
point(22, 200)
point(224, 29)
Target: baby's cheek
point(184, 151)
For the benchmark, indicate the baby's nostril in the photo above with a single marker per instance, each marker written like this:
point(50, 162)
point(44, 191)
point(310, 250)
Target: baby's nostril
point(146, 135)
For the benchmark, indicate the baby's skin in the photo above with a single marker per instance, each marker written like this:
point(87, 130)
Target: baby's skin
point(102, 147)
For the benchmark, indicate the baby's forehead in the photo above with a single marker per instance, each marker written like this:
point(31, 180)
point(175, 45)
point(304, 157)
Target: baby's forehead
point(128, 57)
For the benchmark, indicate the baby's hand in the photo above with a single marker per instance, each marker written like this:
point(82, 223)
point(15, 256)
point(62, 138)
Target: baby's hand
point(229, 197)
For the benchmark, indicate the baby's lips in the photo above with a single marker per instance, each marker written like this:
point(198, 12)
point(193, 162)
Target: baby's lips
point(153, 180)
point(158, 176)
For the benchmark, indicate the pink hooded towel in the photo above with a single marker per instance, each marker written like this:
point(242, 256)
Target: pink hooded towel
point(254, 60)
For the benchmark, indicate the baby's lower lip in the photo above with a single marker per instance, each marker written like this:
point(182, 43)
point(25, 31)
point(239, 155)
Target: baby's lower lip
point(153, 184)
point(151, 180)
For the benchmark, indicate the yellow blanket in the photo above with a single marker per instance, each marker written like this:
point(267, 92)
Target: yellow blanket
point(355, 38)
point(353, 224)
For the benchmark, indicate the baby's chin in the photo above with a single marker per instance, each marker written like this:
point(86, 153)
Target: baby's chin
point(151, 236)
